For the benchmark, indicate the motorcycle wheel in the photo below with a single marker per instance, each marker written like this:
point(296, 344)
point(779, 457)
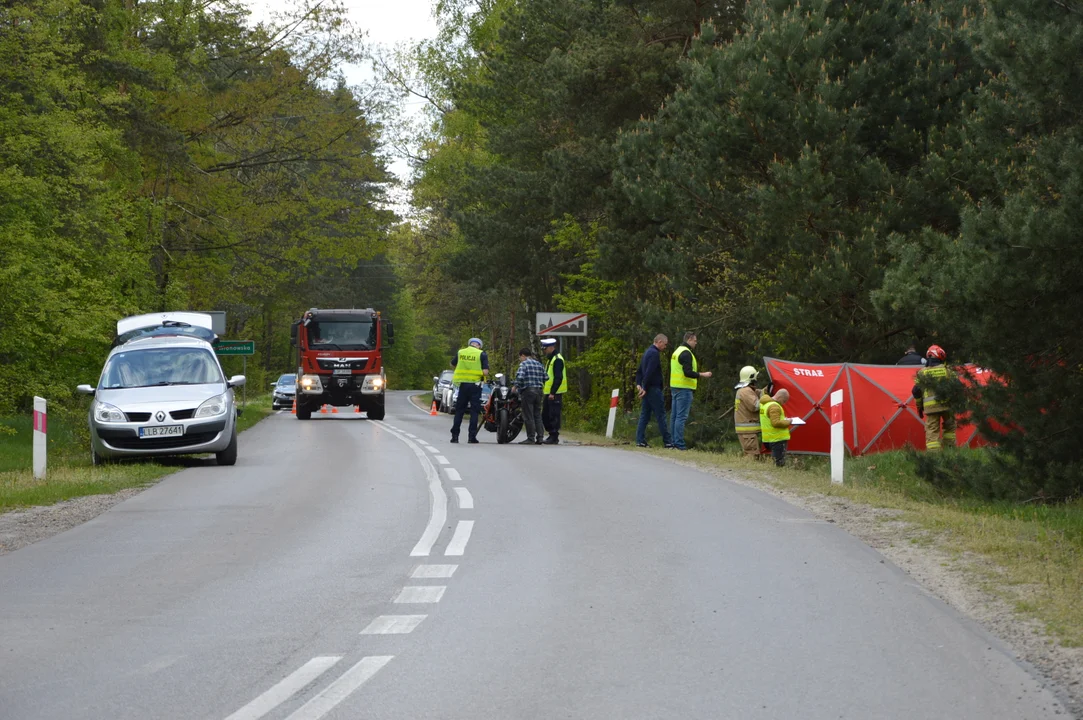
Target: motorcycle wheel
point(502, 427)
point(515, 427)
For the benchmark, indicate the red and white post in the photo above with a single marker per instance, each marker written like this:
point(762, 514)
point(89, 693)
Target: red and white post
point(613, 402)
point(41, 425)
point(838, 442)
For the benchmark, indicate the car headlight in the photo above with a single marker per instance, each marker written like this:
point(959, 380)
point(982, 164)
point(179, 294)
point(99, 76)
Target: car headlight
point(104, 412)
point(213, 407)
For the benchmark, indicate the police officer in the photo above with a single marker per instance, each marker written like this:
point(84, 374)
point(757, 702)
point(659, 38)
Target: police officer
point(471, 367)
point(935, 411)
point(556, 384)
point(746, 412)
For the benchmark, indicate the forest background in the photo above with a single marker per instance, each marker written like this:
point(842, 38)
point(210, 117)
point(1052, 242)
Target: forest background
point(819, 180)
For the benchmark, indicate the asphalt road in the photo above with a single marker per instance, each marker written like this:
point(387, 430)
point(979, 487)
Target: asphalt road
point(354, 569)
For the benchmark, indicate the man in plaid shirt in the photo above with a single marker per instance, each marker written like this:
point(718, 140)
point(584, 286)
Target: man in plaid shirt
point(530, 379)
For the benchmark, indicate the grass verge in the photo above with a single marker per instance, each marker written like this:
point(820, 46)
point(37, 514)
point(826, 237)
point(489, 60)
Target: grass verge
point(70, 473)
point(1035, 552)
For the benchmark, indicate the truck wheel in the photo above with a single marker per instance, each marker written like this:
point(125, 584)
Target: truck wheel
point(304, 412)
point(502, 427)
point(229, 455)
point(376, 412)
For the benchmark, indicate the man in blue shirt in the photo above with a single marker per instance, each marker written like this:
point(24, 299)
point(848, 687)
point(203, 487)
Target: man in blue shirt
point(649, 390)
point(530, 379)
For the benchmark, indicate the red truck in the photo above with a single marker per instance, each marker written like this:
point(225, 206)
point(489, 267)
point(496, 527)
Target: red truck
point(340, 360)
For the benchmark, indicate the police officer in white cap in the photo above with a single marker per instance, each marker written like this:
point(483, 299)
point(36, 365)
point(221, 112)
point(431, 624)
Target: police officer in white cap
point(556, 384)
point(471, 367)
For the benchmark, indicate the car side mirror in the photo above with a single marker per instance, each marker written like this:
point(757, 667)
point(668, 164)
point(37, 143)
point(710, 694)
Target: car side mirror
point(435, 379)
point(236, 381)
point(85, 389)
point(273, 384)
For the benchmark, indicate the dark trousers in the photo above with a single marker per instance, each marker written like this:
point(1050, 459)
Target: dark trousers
point(469, 394)
point(778, 451)
point(653, 404)
point(532, 412)
point(551, 414)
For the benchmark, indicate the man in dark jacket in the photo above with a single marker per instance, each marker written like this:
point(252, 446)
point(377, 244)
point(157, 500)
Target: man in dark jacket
point(912, 357)
point(649, 390)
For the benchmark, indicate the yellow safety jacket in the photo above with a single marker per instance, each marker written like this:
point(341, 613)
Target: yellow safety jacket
point(677, 378)
point(770, 432)
point(547, 389)
point(468, 366)
point(930, 403)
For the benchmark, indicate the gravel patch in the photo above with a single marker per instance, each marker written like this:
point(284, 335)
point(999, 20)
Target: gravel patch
point(952, 577)
point(20, 528)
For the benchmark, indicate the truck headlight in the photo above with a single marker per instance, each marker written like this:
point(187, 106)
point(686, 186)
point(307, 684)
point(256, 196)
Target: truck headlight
point(373, 383)
point(106, 413)
point(213, 407)
point(311, 383)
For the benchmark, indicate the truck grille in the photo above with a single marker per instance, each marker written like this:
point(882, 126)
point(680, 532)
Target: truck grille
point(342, 363)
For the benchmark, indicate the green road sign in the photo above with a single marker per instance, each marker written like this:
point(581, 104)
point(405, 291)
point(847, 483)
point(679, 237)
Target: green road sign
point(236, 347)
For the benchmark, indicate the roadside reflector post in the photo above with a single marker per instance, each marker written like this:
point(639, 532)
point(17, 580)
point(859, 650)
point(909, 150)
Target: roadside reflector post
point(613, 402)
point(838, 445)
point(41, 425)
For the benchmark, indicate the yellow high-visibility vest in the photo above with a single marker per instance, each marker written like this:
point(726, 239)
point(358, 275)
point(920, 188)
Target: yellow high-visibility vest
point(770, 433)
point(468, 366)
point(547, 390)
point(677, 378)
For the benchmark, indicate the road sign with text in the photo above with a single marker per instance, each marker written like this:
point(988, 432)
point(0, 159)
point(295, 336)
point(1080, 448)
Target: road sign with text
point(574, 324)
point(235, 347)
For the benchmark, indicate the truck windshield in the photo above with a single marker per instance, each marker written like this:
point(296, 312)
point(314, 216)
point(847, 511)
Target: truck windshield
point(160, 366)
point(341, 335)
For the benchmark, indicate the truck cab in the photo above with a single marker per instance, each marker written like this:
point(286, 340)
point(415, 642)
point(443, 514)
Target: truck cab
point(340, 360)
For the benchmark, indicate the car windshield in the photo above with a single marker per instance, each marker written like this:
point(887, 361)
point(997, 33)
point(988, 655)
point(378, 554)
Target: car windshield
point(160, 366)
point(287, 380)
point(341, 335)
point(446, 376)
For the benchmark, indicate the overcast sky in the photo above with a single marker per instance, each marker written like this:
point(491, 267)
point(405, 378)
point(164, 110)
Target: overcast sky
point(385, 22)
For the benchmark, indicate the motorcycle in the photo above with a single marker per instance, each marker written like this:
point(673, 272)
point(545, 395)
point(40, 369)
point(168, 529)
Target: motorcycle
point(503, 412)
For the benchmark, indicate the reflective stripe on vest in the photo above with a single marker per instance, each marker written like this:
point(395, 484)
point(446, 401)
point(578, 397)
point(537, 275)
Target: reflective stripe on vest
point(677, 378)
point(743, 421)
point(468, 366)
point(549, 376)
point(770, 432)
point(929, 401)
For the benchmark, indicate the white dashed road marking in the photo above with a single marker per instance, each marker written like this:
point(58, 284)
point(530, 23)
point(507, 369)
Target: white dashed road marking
point(462, 536)
point(442, 460)
point(453, 475)
point(393, 625)
point(285, 689)
point(466, 501)
point(419, 594)
point(340, 689)
point(434, 571)
point(431, 449)
point(438, 516)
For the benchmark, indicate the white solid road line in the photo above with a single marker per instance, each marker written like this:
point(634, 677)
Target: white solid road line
point(421, 594)
point(393, 625)
point(340, 689)
point(442, 460)
point(434, 571)
point(462, 536)
point(438, 516)
point(286, 688)
point(466, 501)
point(453, 475)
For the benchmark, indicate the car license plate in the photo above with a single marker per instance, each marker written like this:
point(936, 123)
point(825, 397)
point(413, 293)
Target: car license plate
point(345, 371)
point(161, 431)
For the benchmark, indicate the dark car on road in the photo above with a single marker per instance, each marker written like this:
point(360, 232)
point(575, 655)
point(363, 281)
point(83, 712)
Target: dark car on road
point(285, 390)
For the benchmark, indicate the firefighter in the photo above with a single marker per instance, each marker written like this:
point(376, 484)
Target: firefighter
point(556, 384)
point(935, 411)
point(746, 411)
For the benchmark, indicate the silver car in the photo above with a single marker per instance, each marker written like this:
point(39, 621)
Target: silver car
point(163, 395)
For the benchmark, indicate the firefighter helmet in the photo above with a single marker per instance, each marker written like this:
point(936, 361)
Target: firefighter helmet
point(749, 373)
point(936, 352)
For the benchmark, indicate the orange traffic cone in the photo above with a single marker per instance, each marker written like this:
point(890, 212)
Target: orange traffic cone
point(334, 408)
point(432, 410)
point(323, 409)
point(294, 410)
point(357, 408)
